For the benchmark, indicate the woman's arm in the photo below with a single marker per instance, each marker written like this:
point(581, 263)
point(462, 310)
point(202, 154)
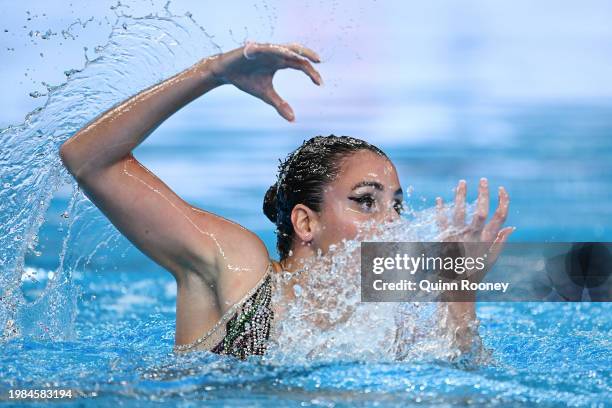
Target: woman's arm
point(124, 127)
point(214, 260)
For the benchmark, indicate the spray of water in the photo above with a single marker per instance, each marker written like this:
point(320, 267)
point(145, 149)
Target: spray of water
point(139, 52)
point(327, 320)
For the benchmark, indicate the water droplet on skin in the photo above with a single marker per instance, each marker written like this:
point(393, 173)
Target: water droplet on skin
point(297, 290)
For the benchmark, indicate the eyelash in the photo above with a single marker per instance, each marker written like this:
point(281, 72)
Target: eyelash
point(398, 206)
point(364, 200)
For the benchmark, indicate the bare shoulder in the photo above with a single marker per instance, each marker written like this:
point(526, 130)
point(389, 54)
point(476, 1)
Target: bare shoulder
point(233, 258)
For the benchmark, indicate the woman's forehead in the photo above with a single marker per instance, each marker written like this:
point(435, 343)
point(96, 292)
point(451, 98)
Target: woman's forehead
point(367, 166)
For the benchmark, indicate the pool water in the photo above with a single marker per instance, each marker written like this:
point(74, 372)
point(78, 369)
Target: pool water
point(83, 310)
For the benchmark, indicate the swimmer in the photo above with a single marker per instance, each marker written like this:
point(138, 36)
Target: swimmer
point(325, 190)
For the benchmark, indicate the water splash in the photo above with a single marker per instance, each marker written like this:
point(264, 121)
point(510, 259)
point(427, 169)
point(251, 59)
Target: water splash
point(140, 51)
point(328, 322)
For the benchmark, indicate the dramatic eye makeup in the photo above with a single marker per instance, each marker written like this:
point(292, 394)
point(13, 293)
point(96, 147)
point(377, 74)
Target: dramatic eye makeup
point(398, 201)
point(367, 200)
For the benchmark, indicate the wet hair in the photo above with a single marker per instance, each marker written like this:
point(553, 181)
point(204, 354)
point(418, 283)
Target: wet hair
point(302, 176)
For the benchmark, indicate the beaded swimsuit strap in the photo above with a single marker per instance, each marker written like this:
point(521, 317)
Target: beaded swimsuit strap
point(226, 316)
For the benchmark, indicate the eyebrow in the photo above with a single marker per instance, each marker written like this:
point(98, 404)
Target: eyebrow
point(376, 185)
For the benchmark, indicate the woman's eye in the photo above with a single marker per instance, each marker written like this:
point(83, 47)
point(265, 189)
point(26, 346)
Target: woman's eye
point(367, 202)
point(398, 206)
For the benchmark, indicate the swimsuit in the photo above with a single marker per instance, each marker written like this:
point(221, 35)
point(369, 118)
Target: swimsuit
point(245, 328)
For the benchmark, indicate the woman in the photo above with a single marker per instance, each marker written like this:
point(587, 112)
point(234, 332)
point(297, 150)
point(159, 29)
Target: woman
point(325, 190)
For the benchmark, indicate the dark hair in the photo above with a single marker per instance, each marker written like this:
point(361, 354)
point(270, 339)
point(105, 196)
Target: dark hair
point(303, 176)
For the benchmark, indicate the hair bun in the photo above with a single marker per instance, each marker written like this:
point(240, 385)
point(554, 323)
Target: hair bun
point(269, 203)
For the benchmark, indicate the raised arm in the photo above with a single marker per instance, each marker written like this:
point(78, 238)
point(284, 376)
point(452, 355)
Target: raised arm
point(207, 254)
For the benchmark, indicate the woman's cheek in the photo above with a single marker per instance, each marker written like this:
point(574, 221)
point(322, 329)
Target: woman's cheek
point(350, 228)
point(339, 230)
point(343, 223)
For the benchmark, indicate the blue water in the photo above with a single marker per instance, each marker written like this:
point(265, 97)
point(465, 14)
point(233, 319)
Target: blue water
point(98, 317)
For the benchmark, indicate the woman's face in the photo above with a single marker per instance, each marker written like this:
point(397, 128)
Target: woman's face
point(366, 189)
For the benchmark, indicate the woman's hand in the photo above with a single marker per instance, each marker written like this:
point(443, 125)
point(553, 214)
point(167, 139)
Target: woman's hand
point(478, 231)
point(462, 323)
point(252, 67)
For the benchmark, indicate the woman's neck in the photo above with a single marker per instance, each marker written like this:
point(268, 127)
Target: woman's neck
point(293, 263)
point(297, 258)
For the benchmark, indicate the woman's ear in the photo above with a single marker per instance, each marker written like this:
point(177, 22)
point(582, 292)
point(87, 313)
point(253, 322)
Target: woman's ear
point(305, 223)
